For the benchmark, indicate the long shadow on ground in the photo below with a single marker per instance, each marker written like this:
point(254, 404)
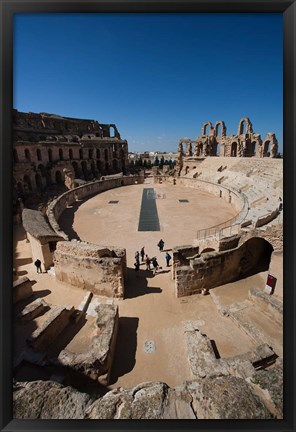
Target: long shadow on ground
point(136, 283)
point(66, 220)
point(126, 346)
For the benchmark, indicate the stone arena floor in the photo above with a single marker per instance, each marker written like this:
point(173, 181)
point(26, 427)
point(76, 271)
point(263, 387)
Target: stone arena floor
point(150, 311)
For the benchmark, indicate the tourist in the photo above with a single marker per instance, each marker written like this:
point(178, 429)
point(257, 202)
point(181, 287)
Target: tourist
point(147, 261)
point(38, 265)
point(160, 245)
point(137, 256)
point(168, 257)
point(142, 253)
point(155, 264)
point(137, 265)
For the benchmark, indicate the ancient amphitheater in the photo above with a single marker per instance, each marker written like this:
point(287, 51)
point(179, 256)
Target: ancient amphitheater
point(198, 339)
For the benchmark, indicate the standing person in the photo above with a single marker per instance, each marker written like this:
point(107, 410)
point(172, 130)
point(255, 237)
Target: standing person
point(137, 265)
point(160, 245)
point(38, 265)
point(155, 264)
point(137, 255)
point(142, 253)
point(168, 257)
point(147, 261)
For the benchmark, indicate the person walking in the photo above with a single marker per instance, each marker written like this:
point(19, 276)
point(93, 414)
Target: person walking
point(168, 257)
point(160, 245)
point(147, 261)
point(137, 255)
point(38, 265)
point(142, 253)
point(155, 264)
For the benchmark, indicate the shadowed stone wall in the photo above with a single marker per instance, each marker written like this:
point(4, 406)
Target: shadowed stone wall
point(98, 269)
point(212, 269)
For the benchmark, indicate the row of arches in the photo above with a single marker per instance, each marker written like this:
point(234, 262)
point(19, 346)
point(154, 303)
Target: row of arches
point(251, 148)
point(244, 127)
point(64, 154)
point(87, 170)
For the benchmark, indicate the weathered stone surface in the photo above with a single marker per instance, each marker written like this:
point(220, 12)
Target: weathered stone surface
point(33, 309)
point(22, 289)
point(98, 269)
point(56, 322)
point(208, 398)
point(268, 385)
point(48, 400)
point(226, 398)
point(96, 361)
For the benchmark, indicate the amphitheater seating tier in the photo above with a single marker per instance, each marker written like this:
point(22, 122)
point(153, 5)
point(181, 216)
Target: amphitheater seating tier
point(260, 179)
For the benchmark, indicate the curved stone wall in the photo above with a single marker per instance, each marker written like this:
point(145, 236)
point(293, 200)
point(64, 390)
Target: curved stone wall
point(56, 208)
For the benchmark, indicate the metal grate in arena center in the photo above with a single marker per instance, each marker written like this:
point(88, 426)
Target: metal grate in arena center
point(148, 220)
point(183, 200)
point(113, 202)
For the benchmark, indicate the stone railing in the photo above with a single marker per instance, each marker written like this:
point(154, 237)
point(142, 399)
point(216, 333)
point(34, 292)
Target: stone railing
point(56, 208)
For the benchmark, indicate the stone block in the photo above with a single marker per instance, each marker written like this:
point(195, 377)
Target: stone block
point(22, 289)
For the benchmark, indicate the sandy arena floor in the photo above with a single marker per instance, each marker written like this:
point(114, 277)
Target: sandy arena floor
point(150, 312)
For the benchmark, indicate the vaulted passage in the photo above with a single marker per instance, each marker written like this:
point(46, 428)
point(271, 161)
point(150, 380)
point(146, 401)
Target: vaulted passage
point(148, 215)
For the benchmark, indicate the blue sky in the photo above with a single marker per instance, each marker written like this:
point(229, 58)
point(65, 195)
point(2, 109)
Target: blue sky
point(158, 77)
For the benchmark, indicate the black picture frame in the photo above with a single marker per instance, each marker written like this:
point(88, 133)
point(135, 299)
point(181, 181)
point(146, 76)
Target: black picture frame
point(8, 9)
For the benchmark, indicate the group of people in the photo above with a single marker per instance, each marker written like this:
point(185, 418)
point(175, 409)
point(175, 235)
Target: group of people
point(150, 261)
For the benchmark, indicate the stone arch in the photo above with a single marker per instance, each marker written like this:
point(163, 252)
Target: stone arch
point(255, 256)
point(42, 170)
point(84, 169)
point(27, 182)
point(106, 154)
point(216, 128)
point(38, 154)
point(249, 128)
point(19, 187)
point(186, 170)
point(233, 151)
point(90, 153)
point(70, 154)
point(204, 128)
point(75, 168)
point(112, 132)
point(58, 177)
point(81, 154)
point(98, 154)
point(27, 155)
point(15, 156)
point(266, 148)
point(38, 181)
point(93, 167)
point(115, 164)
point(61, 154)
point(99, 165)
point(49, 151)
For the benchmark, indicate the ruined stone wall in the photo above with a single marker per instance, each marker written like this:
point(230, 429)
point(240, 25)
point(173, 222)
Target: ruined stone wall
point(273, 234)
point(44, 144)
point(98, 269)
point(40, 251)
point(211, 269)
point(246, 143)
